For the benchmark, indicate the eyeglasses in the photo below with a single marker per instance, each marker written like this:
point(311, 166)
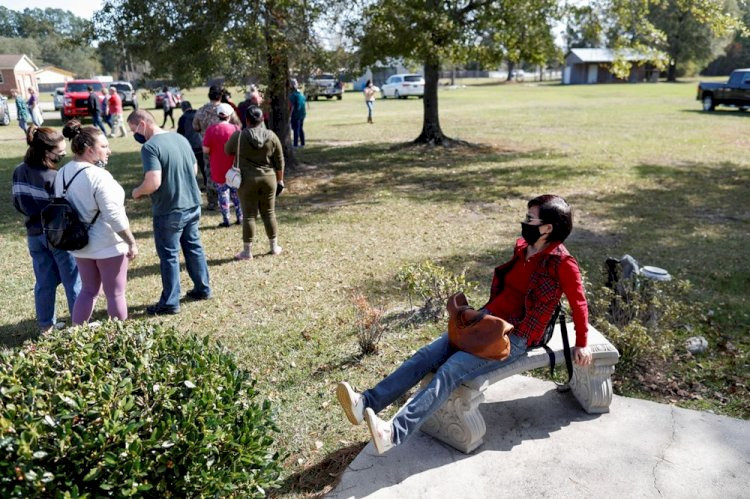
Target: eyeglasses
point(529, 219)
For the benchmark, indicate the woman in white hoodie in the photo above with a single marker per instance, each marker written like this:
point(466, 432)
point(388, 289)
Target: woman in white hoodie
point(100, 202)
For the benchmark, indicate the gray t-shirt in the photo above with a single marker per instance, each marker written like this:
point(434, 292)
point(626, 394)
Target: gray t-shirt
point(171, 153)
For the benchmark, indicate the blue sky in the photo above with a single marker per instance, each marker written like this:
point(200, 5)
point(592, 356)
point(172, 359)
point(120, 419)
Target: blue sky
point(81, 8)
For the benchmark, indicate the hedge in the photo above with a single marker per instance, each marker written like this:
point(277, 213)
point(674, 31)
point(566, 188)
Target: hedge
point(131, 409)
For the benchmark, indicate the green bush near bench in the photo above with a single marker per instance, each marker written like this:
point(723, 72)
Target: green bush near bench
point(131, 409)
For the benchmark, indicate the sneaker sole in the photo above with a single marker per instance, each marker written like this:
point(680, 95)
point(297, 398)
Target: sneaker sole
point(369, 413)
point(346, 403)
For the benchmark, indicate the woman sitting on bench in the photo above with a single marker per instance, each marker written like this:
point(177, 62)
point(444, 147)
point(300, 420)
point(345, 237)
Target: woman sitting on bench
point(525, 291)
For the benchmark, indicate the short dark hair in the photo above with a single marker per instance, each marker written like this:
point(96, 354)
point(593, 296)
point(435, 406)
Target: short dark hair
point(41, 140)
point(254, 116)
point(186, 105)
point(554, 210)
point(214, 92)
point(89, 88)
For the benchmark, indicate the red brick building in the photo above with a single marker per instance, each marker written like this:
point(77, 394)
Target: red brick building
point(17, 71)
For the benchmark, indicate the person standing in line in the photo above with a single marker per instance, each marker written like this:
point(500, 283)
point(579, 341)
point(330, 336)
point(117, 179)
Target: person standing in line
point(94, 106)
point(261, 161)
point(22, 110)
point(185, 128)
point(204, 118)
point(34, 108)
point(297, 103)
point(115, 113)
point(33, 185)
point(168, 103)
point(213, 144)
point(106, 113)
point(170, 170)
point(99, 201)
point(370, 92)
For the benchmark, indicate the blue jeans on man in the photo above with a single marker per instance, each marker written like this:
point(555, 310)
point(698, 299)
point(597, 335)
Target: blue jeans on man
point(52, 267)
point(97, 119)
point(175, 230)
point(298, 131)
point(452, 367)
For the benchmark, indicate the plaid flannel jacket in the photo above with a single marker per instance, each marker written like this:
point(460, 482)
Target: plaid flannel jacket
point(544, 291)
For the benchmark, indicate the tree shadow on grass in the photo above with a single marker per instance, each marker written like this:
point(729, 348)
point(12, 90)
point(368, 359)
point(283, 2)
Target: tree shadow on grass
point(322, 477)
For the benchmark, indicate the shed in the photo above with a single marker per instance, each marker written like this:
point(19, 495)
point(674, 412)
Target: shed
point(17, 71)
point(50, 77)
point(595, 66)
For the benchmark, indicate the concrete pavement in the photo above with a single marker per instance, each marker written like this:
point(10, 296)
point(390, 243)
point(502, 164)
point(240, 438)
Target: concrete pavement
point(539, 443)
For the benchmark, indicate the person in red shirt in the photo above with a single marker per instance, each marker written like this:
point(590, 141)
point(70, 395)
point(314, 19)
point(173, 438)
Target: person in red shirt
point(115, 112)
point(524, 292)
point(213, 144)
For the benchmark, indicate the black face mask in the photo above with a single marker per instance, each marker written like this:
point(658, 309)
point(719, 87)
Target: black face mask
point(530, 233)
point(57, 158)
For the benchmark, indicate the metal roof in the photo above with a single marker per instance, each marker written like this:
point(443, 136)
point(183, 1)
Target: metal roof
point(605, 55)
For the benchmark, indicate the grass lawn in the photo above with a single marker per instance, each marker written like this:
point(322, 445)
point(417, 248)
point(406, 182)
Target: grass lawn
point(649, 174)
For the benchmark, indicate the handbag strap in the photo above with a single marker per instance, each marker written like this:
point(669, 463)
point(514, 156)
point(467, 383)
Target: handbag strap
point(237, 155)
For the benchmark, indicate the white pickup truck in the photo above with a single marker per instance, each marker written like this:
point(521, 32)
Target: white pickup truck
point(325, 85)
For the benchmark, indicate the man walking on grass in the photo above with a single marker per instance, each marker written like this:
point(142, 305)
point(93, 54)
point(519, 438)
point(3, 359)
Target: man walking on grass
point(170, 167)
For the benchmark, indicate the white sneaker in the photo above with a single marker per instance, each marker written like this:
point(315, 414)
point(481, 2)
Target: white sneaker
point(275, 248)
point(381, 431)
point(352, 402)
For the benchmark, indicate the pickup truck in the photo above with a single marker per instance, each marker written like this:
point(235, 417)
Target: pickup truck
point(75, 96)
point(735, 92)
point(325, 85)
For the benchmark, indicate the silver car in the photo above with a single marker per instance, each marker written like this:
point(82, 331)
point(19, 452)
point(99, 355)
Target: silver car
point(4, 111)
point(58, 97)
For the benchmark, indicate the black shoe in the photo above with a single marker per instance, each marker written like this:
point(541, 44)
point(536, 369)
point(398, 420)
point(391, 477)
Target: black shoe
point(225, 223)
point(238, 222)
point(197, 296)
point(158, 309)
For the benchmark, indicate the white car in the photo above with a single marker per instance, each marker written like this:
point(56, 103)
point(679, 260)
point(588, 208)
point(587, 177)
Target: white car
point(402, 86)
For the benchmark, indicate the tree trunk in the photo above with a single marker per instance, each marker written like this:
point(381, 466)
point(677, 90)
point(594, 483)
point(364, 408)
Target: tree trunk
point(431, 132)
point(672, 71)
point(511, 67)
point(278, 84)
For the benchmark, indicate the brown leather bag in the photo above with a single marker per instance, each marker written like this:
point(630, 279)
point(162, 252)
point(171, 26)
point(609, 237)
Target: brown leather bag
point(477, 332)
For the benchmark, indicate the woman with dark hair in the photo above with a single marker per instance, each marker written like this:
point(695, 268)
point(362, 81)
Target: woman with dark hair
point(33, 182)
point(370, 92)
point(524, 292)
point(99, 201)
point(168, 103)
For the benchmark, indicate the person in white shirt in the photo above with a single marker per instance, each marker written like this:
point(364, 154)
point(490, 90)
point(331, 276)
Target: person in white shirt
point(100, 201)
point(370, 91)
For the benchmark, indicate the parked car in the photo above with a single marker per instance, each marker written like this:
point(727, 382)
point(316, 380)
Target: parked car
point(518, 74)
point(75, 97)
point(58, 96)
point(127, 93)
point(735, 92)
point(159, 99)
point(401, 86)
point(324, 84)
point(4, 111)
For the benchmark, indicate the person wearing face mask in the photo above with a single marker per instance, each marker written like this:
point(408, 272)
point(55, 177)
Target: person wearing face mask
point(33, 182)
point(525, 291)
point(99, 200)
point(170, 170)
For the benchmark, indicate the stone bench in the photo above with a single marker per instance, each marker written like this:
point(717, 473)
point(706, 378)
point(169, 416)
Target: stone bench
point(460, 424)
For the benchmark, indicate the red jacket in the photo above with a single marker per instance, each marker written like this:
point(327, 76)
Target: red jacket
point(556, 273)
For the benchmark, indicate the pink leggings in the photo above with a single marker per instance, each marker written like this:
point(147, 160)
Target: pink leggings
point(109, 273)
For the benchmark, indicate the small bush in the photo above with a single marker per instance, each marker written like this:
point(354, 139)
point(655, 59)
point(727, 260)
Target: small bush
point(131, 409)
point(370, 327)
point(432, 285)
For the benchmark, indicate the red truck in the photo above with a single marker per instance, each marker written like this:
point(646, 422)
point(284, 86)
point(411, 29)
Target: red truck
point(75, 96)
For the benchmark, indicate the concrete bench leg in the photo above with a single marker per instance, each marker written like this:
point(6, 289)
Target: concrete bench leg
point(592, 385)
point(458, 422)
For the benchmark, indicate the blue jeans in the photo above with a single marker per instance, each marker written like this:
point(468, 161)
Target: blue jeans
point(370, 106)
point(298, 131)
point(22, 124)
point(52, 267)
point(175, 230)
point(97, 119)
point(452, 367)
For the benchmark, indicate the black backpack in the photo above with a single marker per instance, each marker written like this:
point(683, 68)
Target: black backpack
point(61, 223)
point(542, 342)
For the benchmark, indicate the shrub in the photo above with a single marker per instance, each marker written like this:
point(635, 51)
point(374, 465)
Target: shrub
point(432, 284)
point(370, 327)
point(131, 409)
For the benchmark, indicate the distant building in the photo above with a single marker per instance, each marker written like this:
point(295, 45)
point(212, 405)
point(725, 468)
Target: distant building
point(17, 71)
point(50, 77)
point(595, 66)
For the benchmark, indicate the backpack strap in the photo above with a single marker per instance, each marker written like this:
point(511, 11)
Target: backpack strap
point(65, 190)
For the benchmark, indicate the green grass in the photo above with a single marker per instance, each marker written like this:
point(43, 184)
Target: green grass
point(648, 174)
